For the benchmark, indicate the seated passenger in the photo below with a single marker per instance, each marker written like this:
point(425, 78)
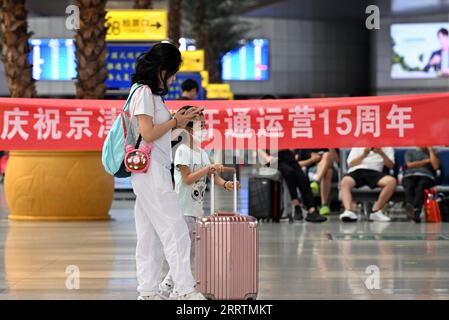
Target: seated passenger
point(295, 179)
point(321, 161)
point(366, 169)
point(420, 174)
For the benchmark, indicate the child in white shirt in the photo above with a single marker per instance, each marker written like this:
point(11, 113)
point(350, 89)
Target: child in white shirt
point(192, 167)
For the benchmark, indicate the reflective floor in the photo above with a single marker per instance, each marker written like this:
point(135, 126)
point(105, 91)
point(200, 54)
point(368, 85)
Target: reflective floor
point(297, 261)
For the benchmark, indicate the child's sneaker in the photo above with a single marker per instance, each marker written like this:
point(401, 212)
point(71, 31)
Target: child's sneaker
point(153, 296)
point(166, 288)
point(194, 295)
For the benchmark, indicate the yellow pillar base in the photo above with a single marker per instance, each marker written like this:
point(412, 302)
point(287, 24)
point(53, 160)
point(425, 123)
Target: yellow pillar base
point(57, 186)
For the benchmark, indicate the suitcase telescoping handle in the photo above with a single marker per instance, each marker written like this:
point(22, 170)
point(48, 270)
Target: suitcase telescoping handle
point(212, 190)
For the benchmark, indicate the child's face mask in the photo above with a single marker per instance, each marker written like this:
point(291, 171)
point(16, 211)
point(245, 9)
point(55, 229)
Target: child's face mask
point(199, 132)
point(200, 135)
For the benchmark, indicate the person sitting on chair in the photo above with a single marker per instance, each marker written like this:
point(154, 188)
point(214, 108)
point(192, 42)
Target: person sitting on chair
point(420, 175)
point(366, 169)
point(295, 179)
point(321, 161)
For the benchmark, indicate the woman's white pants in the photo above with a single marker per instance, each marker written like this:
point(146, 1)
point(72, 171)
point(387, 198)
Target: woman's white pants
point(162, 232)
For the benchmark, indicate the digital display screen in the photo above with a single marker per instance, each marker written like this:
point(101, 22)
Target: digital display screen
point(53, 59)
point(248, 62)
point(420, 50)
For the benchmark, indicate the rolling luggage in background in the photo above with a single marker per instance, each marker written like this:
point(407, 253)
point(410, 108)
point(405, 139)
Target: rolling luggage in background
point(227, 254)
point(265, 196)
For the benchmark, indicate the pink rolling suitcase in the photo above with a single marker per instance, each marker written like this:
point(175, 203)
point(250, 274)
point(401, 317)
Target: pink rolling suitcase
point(227, 249)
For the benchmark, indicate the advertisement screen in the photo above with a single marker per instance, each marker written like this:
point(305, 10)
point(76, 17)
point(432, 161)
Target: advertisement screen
point(420, 50)
point(248, 62)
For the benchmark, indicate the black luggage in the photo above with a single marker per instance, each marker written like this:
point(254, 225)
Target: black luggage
point(265, 198)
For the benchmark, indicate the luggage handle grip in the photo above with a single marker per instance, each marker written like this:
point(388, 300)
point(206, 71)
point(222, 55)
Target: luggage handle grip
point(224, 214)
point(229, 170)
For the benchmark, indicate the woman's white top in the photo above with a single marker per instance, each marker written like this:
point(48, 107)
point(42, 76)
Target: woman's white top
point(145, 102)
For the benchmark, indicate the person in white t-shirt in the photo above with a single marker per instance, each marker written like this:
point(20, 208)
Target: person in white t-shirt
point(162, 232)
point(366, 169)
point(192, 167)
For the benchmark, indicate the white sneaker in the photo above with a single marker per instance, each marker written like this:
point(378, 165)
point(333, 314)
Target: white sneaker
point(194, 295)
point(154, 296)
point(166, 288)
point(379, 216)
point(348, 216)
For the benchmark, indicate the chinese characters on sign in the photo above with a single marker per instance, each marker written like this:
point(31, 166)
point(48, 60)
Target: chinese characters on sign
point(46, 124)
point(64, 124)
point(241, 123)
point(192, 61)
point(137, 25)
point(301, 120)
point(120, 64)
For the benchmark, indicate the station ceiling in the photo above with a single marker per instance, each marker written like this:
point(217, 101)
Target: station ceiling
point(293, 9)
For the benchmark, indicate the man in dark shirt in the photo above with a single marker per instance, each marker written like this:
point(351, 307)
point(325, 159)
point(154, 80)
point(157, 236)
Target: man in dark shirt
point(420, 175)
point(439, 59)
point(295, 179)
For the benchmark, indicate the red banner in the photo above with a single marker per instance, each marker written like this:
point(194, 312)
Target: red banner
point(409, 120)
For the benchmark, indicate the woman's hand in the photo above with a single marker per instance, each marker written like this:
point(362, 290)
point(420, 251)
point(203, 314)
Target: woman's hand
point(216, 168)
point(229, 185)
point(183, 117)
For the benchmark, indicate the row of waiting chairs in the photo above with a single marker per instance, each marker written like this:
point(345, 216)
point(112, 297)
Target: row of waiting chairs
point(365, 195)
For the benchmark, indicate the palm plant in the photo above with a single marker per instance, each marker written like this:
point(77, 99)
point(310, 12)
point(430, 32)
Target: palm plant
point(15, 48)
point(143, 4)
point(91, 52)
point(217, 28)
point(174, 20)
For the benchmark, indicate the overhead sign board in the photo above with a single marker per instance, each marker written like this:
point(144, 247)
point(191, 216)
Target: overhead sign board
point(192, 61)
point(137, 25)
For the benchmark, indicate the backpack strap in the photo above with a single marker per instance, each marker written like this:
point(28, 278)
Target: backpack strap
point(124, 114)
point(139, 139)
point(125, 109)
point(128, 101)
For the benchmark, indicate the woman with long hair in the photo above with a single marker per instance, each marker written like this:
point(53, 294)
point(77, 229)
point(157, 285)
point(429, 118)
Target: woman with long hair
point(161, 230)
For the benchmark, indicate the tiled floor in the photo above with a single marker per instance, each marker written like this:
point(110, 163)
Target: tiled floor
point(297, 261)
